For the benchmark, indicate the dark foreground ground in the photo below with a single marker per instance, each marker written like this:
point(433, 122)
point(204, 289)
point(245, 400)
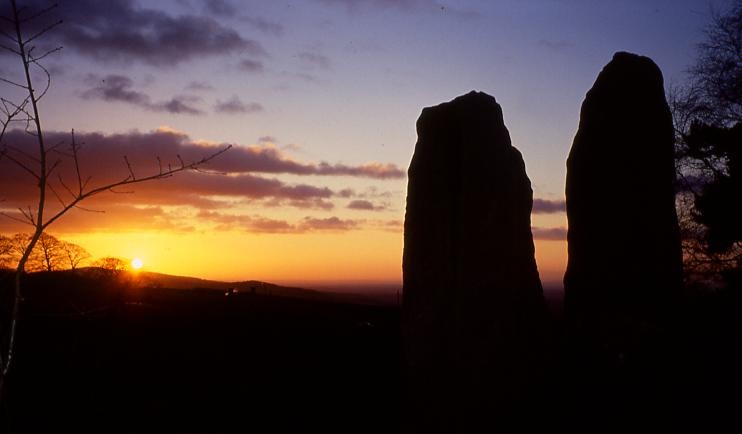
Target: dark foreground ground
point(196, 361)
point(94, 356)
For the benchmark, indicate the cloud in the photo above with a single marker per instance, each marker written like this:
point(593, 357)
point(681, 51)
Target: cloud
point(249, 65)
point(260, 224)
point(118, 88)
point(124, 31)
point(179, 104)
point(409, 6)
point(219, 7)
point(235, 106)
point(267, 139)
point(394, 225)
point(545, 206)
point(347, 192)
point(250, 223)
point(119, 217)
point(364, 205)
point(404, 5)
point(171, 203)
point(227, 9)
point(309, 78)
point(292, 147)
point(327, 224)
point(549, 234)
point(199, 85)
point(265, 26)
point(314, 59)
point(244, 168)
point(312, 203)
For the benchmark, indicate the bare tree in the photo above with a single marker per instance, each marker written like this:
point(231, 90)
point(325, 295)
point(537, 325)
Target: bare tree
point(49, 251)
point(43, 167)
point(6, 250)
point(111, 264)
point(74, 255)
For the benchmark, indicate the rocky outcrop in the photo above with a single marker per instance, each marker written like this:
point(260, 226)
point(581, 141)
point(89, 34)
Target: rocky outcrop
point(625, 260)
point(473, 303)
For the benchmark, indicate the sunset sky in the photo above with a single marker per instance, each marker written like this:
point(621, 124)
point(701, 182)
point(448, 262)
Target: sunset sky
point(319, 99)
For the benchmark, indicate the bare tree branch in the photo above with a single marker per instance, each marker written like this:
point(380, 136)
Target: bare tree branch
point(23, 166)
point(5, 80)
point(40, 13)
point(129, 181)
point(42, 32)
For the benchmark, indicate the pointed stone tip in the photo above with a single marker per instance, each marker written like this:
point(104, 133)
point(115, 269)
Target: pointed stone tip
point(472, 99)
point(631, 63)
point(475, 95)
point(464, 105)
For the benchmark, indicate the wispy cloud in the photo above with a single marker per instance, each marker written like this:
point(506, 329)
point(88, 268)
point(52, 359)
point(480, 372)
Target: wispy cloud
point(222, 8)
point(263, 25)
point(124, 31)
point(118, 88)
point(250, 65)
point(327, 224)
point(409, 6)
point(549, 234)
point(314, 59)
point(228, 9)
point(199, 86)
point(260, 224)
point(364, 205)
point(235, 106)
point(405, 5)
point(545, 206)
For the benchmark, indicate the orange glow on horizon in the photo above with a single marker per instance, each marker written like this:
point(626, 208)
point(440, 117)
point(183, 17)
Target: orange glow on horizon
point(354, 256)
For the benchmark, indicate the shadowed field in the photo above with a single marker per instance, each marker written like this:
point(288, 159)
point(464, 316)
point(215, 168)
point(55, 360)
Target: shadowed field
point(100, 357)
point(198, 361)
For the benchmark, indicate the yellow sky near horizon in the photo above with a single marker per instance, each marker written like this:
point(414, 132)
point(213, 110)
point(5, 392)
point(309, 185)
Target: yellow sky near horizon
point(372, 256)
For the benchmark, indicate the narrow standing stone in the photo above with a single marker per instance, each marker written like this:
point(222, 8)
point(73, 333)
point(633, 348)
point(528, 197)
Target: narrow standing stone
point(625, 262)
point(473, 304)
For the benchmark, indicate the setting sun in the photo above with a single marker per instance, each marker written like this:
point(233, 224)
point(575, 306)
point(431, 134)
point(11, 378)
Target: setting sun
point(136, 263)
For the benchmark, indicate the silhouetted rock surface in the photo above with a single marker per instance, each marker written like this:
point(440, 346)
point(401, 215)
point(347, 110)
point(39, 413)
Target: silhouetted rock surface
point(473, 304)
point(625, 260)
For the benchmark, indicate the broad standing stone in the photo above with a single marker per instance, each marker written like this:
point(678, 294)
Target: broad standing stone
point(473, 303)
point(625, 262)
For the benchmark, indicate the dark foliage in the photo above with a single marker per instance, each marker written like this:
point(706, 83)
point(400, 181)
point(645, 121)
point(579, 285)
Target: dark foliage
point(707, 112)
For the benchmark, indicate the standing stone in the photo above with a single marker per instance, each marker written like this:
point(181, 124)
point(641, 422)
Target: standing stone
point(625, 263)
point(473, 304)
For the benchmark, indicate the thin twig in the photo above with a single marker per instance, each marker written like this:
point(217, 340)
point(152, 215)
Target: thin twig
point(22, 152)
point(39, 13)
point(4, 214)
point(53, 50)
point(42, 31)
point(5, 47)
point(128, 166)
point(129, 181)
point(7, 35)
point(5, 80)
point(23, 166)
point(59, 198)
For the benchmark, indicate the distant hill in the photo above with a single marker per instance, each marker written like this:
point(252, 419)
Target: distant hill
point(90, 277)
point(147, 279)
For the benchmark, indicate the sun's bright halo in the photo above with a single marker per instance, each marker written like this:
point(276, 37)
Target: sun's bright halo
point(136, 263)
